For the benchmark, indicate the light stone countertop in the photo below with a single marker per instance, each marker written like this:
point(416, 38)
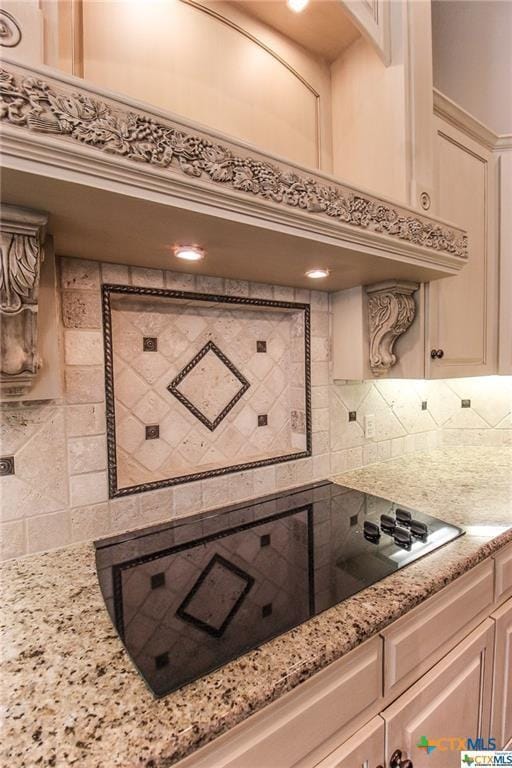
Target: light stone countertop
point(72, 697)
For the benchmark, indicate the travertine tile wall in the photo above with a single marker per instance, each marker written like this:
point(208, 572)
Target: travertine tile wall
point(59, 495)
point(417, 416)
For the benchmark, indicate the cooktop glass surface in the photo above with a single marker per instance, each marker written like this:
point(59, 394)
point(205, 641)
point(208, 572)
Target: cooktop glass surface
point(188, 596)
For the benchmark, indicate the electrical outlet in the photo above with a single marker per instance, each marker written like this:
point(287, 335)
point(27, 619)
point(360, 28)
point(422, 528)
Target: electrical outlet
point(369, 425)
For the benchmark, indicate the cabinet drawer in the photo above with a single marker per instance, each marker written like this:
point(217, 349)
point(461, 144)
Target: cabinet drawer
point(415, 642)
point(283, 733)
point(503, 577)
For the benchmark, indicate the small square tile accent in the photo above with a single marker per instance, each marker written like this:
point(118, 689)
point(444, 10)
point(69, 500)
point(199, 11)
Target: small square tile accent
point(263, 420)
point(261, 346)
point(353, 521)
point(162, 660)
point(6, 465)
point(265, 540)
point(465, 403)
point(157, 580)
point(424, 405)
point(352, 415)
point(152, 432)
point(266, 610)
point(150, 344)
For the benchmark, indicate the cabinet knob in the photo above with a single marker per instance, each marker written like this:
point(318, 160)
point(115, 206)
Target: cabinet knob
point(436, 353)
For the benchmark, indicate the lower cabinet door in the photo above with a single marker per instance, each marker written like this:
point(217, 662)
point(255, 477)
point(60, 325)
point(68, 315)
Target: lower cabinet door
point(501, 721)
point(451, 702)
point(364, 750)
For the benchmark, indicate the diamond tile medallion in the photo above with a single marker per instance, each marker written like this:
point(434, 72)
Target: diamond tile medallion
point(216, 596)
point(209, 386)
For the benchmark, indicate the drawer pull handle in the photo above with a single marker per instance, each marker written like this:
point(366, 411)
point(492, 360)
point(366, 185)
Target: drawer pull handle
point(436, 353)
point(397, 762)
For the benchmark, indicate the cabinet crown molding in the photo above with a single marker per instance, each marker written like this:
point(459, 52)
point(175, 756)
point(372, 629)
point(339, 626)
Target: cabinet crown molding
point(391, 310)
point(49, 105)
point(22, 235)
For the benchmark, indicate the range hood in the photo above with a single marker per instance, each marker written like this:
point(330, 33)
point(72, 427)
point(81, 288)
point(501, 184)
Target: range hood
point(124, 182)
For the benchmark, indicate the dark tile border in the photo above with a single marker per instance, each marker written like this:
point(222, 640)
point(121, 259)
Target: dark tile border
point(109, 289)
point(173, 386)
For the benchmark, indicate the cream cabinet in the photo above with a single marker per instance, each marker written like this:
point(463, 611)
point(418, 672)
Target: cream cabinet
point(501, 719)
point(505, 236)
point(364, 750)
point(462, 311)
point(462, 322)
point(452, 700)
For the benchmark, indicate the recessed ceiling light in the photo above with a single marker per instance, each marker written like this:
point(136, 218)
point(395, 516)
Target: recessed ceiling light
point(189, 252)
point(297, 5)
point(317, 273)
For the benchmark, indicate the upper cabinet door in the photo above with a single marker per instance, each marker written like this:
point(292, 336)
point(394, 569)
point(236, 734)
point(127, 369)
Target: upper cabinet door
point(372, 18)
point(505, 174)
point(462, 328)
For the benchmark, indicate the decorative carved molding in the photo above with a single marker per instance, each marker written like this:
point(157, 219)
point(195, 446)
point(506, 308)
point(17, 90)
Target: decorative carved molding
point(391, 310)
point(37, 105)
point(10, 32)
point(22, 234)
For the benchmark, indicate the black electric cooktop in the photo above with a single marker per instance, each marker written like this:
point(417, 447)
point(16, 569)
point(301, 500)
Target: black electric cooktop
point(188, 596)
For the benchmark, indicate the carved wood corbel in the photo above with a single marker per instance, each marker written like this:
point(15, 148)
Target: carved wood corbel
point(22, 236)
point(391, 310)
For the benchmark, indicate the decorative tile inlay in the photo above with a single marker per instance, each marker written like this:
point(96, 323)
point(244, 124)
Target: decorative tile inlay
point(262, 420)
point(266, 610)
point(208, 378)
point(265, 540)
point(157, 580)
point(465, 403)
point(261, 346)
point(7, 465)
point(219, 384)
point(353, 521)
point(216, 596)
point(352, 415)
point(424, 405)
point(150, 344)
point(152, 432)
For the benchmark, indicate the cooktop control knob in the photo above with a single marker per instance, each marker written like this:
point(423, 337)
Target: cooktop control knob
point(418, 529)
point(403, 516)
point(402, 537)
point(387, 523)
point(371, 530)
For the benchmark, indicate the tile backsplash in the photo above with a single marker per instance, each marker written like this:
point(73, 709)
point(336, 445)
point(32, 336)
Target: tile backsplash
point(222, 385)
point(58, 493)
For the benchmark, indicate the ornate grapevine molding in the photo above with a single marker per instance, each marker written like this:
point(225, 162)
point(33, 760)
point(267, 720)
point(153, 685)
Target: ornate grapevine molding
point(22, 234)
point(391, 310)
point(38, 105)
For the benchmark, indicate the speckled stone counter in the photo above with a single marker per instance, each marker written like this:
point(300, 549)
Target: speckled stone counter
point(71, 696)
